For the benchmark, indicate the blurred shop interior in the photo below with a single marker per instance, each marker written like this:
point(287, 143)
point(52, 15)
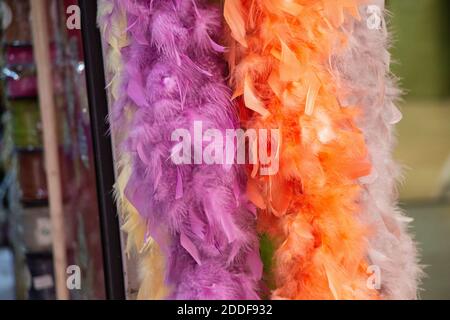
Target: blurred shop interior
point(421, 49)
point(26, 257)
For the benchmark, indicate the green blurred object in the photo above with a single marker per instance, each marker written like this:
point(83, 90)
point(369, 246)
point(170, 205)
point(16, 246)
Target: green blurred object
point(421, 51)
point(27, 127)
point(267, 251)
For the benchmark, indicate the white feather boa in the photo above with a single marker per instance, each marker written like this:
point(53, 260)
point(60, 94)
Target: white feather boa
point(363, 72)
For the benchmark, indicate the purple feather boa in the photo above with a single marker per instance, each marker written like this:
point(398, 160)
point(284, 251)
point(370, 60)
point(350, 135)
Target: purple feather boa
point(198, 214)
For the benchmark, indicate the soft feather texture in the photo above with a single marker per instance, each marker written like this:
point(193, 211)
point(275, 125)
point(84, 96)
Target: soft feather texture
point(198, 214)
point(280, 64)
point(365, 80)
point(113, 24)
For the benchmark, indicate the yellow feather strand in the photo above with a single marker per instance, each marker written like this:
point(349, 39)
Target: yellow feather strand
point(150, 259)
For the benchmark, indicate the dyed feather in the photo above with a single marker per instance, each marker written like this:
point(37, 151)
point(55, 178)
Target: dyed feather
point(365, 80)
point(198, 214)
point(309, 209)
point(113, 23)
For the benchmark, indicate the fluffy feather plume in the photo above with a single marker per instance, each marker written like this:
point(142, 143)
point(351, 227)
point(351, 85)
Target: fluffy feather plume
point(113, 24)
point(309, 209)
point(198, 214)
point(363, 73)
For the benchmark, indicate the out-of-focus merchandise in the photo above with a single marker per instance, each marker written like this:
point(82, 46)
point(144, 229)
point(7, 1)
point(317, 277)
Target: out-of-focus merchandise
point(28, 228)
point(20, 71)
point(38, 239)
point(28, 216)
point(19, 54)
point(22, 81)
point(38, 245)
point(15, 17)
point(6, 274)
point(27, 124)
point(32, 177)
point(42, 286)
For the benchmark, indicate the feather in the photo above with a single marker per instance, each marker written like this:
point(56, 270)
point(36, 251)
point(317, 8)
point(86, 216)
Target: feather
point(197, 214)
point(290, 67)
point(113, 23)
point(308, 209)
point(234, 15)
point(251, 100)
point(363, 73)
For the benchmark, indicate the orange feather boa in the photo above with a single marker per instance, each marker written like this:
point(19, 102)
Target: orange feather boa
point(279, 60)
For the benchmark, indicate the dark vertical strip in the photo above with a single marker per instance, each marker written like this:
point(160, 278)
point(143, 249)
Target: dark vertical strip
point(98, 109)
point(445, 35)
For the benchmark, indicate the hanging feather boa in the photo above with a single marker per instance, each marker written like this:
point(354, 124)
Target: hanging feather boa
point(113, 24)
point(363, 73)
point(197, 214)
point(296, 65)
point(280, 62)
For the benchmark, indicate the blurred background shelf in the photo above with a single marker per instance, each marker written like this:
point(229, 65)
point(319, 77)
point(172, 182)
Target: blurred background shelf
point(424, 150)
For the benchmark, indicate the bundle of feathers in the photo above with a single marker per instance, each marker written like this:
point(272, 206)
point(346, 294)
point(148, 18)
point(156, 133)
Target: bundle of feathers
point(113, 25)
point(280, 62)
point(197, 214)
point(313, 69)
point(362, 72)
